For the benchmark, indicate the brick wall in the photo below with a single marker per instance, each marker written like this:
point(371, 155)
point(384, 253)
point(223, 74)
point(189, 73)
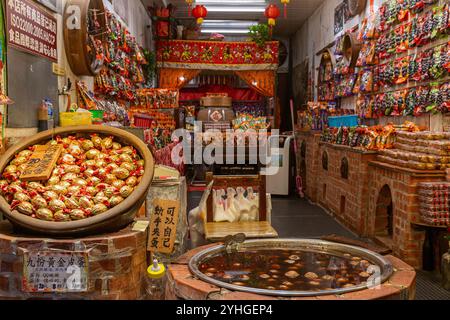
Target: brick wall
point(311, 159)
point(346, 198)
point(406, 241)
point(117, 264)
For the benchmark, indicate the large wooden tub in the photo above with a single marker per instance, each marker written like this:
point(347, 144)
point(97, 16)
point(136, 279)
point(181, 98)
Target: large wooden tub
point(112, 220)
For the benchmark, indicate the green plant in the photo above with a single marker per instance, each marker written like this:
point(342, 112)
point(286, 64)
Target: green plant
point(149, 68)
point(260, 34)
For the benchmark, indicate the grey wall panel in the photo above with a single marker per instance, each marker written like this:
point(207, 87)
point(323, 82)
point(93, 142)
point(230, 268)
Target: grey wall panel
point(30, 79)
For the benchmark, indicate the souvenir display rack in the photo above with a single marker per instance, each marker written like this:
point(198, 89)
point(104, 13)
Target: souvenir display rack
point(325, 86)
point(406, 60)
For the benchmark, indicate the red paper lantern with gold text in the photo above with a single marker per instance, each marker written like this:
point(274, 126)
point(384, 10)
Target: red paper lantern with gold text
point(285, 3)
point(199, 13)
point(272, 13)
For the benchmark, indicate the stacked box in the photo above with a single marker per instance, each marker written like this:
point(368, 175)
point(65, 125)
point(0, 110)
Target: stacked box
point(434, 203)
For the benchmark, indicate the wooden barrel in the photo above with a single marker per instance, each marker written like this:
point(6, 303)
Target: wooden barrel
point(351, 47)
point(76, 40)
point(112, 220)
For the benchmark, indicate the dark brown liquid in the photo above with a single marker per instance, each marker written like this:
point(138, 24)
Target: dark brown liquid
point(288, 270)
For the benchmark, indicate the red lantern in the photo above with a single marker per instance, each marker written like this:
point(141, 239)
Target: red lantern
point(285, 3)
point(199, 13)
point(272, 13)
point(189, 2)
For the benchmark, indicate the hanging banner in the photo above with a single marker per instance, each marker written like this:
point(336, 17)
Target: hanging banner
point(204, 55)
point(32, 29)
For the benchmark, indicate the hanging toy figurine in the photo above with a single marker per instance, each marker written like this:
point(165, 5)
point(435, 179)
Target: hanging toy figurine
point(285, 3)
point(189, 3)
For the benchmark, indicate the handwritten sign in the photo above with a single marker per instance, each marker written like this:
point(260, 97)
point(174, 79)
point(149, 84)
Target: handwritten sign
point(42, 162)
point(31, 28)
point(55, 271)
point(163, 226)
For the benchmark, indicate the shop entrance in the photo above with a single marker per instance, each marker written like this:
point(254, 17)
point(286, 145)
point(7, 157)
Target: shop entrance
point(384, 214)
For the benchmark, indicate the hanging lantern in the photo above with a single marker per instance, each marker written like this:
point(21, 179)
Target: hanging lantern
point(189, 3)
point(272, 13)
point(199, 13)
point(285, 3)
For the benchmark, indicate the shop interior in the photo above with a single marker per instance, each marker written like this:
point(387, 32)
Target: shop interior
point(225, 150)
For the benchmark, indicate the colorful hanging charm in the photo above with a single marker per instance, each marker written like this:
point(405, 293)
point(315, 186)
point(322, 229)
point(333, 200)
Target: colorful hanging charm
point(199, 13)
point(285, 3)
point(272, 13)
point(189, 3)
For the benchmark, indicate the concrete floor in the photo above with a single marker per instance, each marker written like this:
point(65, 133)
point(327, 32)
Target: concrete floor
point(296, 218)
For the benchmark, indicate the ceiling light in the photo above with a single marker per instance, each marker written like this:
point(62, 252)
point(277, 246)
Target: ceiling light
point(235, 8)
point(225, 31)
point(239, 2)
point(229, 23)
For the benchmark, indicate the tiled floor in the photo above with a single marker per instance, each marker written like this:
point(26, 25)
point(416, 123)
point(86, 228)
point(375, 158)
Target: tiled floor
point(295, 218)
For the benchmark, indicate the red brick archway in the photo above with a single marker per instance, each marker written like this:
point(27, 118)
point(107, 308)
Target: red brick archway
point(384, 215)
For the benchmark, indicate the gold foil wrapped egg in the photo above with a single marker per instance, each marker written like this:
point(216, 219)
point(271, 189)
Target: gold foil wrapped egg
point(127, 150)
point(100, 199)
point(71, 203)
point(68, 159)
point(65, 184)
point(59, 189)
point(118, 183)
point(110, 178)
point(11, 169)
point(107, 143)
point(80, 182)
point(25, 208)
point(116, 200)
point(116, 146)
point(25, 153)
point(132, 181)
point(124, 157)
point(87, 145)
point(97, 141)
point(92, 191)
point(53, 180)
point(126, 191)
point(89, 173)
point(92, 154)
point(19, 160)
point(35, 186)
point(112, 166)
point(39, 202)
point(56, 205)
point(140, 163)
point(94, 181)
point(99, 209)
point(72, 169)
point(77, 214)
point(73, 190)
point(85, 202)
point(44, 214)
point(69, 177)
point(90, 163)
point(129, 166)
point(50, 195)
point(60, 216)
point(121, 173)
point(110, 191)
point(20, 196)
point(75, 150)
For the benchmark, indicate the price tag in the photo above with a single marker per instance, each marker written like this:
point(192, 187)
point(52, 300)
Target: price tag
point(163, 226)
point(141, 226)
point(42, 162)
point(55, 271)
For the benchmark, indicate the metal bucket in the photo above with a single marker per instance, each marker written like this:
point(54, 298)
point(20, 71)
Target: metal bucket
point(315, 246)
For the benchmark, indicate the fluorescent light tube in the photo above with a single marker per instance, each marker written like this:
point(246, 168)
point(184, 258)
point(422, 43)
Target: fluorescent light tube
point(234, 31)
point(235, 8)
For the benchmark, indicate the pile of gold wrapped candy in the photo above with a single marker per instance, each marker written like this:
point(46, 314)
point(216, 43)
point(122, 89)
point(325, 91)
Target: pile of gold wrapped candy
point(92, 175)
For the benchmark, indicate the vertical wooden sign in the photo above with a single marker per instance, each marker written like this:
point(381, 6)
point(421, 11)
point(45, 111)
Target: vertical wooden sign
point(42, 162)
point(163, 226)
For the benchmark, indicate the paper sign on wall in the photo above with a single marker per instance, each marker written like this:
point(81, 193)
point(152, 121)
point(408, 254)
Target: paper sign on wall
point(163, 226)
point(55, 271)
